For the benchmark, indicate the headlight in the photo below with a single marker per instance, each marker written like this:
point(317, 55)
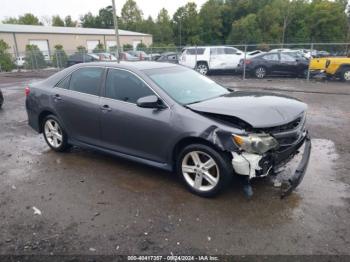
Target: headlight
point(255, 143)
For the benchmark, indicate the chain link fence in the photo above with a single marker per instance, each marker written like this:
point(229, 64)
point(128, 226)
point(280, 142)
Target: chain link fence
point(234, 59)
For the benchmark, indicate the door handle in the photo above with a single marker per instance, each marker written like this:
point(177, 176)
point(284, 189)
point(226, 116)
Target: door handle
point(57, 97)
point(106, 108)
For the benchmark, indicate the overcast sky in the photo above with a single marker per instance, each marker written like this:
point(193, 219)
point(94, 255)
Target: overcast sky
point(75, 8)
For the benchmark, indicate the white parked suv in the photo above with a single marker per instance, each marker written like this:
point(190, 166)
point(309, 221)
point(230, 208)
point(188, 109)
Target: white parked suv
point(211, 58)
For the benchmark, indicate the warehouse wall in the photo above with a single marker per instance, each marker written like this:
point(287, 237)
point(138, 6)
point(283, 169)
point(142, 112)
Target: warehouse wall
point(69, 41)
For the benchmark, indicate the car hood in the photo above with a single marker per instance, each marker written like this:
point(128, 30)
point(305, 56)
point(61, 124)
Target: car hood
point(260, 110)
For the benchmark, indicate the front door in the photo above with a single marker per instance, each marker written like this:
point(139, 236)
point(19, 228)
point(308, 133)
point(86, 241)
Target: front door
point(127, 128)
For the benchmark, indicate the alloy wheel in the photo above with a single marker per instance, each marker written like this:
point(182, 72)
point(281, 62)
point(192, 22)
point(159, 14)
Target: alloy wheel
point(53, 133)
point(260, 72)
point(200, 171)
point(347, 75)
point(202, 68)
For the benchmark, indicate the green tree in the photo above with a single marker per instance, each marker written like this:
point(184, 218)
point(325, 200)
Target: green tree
point(59, 58)
point(131, 16)
point(29, 19)
point(210, 17)
point(164, 31)
point(57, 21)
point(68, 22)
point(141, 46)
point(127, 47)
point(328, 21)
point(99, 48)
point(6, 63)
point(81, 49)
point(91, 21)
point(26, 19)
point(106, 17)
point(186, 25)
point(34, 58)
point(245, 31)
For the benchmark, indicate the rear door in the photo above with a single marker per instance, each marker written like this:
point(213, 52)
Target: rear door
point(288, 64)
point(271, 62)
point(130, 129)
point(76, 100)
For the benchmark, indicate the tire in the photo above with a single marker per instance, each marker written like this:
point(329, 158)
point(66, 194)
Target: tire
point(202, 68)
point(260, 72)
point(54, 134)
point(201, 180)
point(345, 74)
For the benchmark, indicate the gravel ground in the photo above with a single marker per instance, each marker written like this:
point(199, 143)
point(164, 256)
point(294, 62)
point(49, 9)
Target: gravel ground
point(93, 204)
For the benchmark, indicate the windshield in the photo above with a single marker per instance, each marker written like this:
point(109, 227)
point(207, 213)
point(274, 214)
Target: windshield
point(185, 86)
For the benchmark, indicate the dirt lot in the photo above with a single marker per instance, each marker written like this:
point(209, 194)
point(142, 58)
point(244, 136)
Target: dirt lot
point(93, 203)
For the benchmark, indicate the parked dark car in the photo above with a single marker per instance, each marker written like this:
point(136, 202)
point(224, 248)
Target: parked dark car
point(174, 118)
point(169, 57)
point(78, 58)
point(277, 63)
point(1, 99)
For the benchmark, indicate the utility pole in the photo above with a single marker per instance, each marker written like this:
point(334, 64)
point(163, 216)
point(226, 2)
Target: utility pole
point(116, 28)
point(180, 30)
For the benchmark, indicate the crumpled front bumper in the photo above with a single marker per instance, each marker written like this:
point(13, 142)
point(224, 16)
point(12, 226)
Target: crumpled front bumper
point(295, 179)
point(253, 165)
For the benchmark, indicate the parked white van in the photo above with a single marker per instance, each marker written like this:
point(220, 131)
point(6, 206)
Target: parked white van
point(211, 58)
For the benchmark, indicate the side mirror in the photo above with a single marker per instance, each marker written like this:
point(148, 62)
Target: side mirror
point(150, 102)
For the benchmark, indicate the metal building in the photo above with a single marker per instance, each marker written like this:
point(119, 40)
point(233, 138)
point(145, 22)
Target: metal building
point(46, 37)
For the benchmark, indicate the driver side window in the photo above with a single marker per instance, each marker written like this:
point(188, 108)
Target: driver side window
point(125, 86)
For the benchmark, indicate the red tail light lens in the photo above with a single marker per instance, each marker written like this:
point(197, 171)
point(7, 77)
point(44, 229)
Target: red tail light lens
point(247, 62)
point(27, 91)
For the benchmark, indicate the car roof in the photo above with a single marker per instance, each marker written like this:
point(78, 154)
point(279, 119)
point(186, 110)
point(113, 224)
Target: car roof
point(137, 65)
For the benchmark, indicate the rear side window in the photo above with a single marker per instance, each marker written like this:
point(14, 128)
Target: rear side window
point(230, 51)
point(192, 51)
point(86, 80)
point(287, 58)
point(271, 57)
point(64, 83)
point(217, 51)
point(125, 86)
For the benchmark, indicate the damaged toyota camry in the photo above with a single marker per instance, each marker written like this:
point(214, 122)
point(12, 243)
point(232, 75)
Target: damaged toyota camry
point(174, 118)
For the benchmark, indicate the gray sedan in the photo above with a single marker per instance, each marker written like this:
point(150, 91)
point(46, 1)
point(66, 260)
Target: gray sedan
point(171, 117)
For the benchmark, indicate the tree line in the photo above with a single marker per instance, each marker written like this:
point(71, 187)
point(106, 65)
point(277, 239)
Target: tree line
point(225, 22)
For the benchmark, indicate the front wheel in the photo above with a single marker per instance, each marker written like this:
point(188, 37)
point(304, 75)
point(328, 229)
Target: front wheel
point(260, 72)
point(204, 170)
point(202, 68)
point(54, 135)
point(345, 75)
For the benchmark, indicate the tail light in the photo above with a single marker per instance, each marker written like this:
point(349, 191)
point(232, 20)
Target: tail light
point(27, 91)
point(247, 62)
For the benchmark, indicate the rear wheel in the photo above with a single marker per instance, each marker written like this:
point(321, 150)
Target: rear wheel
point(260, 72)
point(204, 170)
point(54, 134)
point(345, 74)
point(202, 68)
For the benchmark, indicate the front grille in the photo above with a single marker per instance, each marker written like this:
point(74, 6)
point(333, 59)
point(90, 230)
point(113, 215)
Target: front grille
point(287, 134)
point(283, 128)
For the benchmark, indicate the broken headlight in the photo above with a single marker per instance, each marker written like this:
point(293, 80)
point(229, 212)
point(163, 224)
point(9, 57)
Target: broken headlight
point(255, 143)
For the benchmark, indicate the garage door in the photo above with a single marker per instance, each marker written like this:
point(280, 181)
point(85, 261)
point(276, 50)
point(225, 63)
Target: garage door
point(91, 44)
point(43, 46)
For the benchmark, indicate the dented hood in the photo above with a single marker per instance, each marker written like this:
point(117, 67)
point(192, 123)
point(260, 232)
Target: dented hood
point(260, 110)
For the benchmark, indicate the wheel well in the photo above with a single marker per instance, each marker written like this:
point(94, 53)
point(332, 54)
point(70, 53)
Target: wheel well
point(42, 116)
point(345, 66)
point(188, 141)
point(202, 62)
